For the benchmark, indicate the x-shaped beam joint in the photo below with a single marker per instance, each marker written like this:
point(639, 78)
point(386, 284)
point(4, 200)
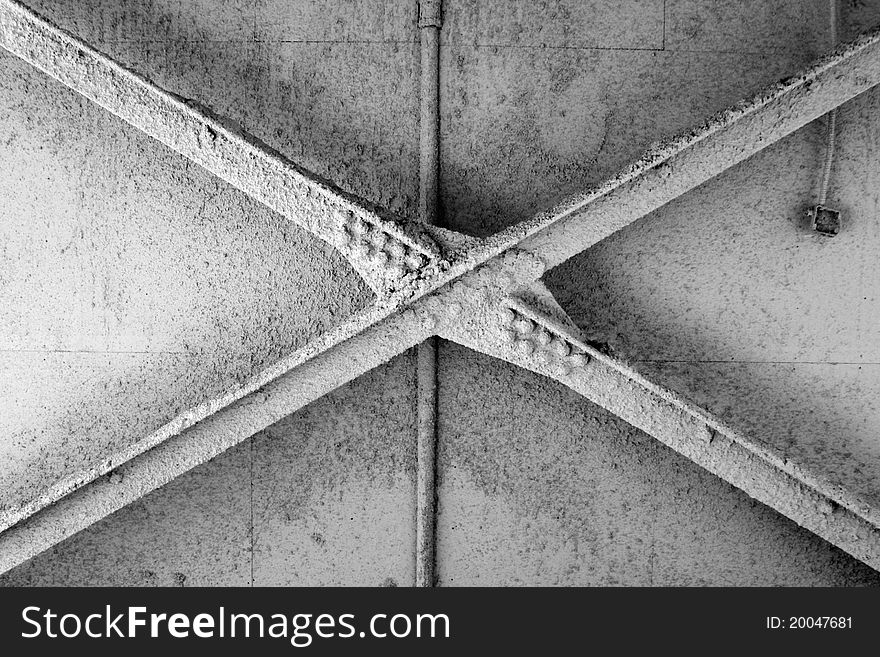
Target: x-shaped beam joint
point(482, 293)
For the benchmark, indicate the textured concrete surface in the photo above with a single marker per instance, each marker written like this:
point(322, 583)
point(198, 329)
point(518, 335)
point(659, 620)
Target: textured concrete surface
point(193, 532)
point(539, 487)
point(334, 492)
point(747, 25)
point(636, 24)
point(324, 497)
point(542, 176)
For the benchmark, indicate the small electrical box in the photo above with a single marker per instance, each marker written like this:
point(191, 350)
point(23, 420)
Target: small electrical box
point(825, 221)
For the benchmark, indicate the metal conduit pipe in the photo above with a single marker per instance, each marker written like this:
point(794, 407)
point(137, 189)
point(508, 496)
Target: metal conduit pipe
point(429, 170)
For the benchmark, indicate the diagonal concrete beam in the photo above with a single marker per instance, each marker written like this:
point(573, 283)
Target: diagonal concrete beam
point(384, 253)
point(523, 333)
point(150, 469)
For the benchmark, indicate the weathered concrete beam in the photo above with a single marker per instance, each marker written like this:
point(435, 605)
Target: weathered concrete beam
point(380, 250)
point(135, 476)
point(524, 333)
point(674, 168)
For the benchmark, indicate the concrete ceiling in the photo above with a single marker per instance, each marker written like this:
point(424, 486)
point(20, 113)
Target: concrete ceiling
point(156, 288)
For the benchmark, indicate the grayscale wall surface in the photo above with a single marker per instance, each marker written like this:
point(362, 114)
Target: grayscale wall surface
point(135, 285)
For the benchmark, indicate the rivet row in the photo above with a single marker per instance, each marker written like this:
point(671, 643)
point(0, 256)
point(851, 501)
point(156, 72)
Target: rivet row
point(371, 242)
point(532, 339)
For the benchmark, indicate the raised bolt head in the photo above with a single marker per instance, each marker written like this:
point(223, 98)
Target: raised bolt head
point(415, 260)
point(358, 226)
point(525, 347)
point(524, 325)
point(560, 347)
point(562, 368)
point(543, 338)
point(361, 249)
point(433, 304)
point(395, 249)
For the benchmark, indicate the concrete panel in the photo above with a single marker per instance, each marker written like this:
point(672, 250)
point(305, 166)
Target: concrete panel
point(523, 128)
point(347, 112)
point(765, 26)
point(540, 487)
point(857, 16)
point(109, 21)
point(634, 24)
point(324, 497)
point(358, 21)
point(708, 533)
point(334, 487)
point(193, 532)
point(64, 411)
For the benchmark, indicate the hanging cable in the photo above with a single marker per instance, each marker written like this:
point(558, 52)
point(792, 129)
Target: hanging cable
point(825, 220)
point(831, 134)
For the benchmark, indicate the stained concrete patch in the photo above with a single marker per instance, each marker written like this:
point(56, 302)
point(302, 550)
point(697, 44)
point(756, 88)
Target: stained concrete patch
point(524, 128)
point(334, 488)
point(538, 486)
point(112, 21)
point(347, 112)
point(857, 16)
point(782, 26)
point(193, 532)
point(554, 24)
point(352, 21)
